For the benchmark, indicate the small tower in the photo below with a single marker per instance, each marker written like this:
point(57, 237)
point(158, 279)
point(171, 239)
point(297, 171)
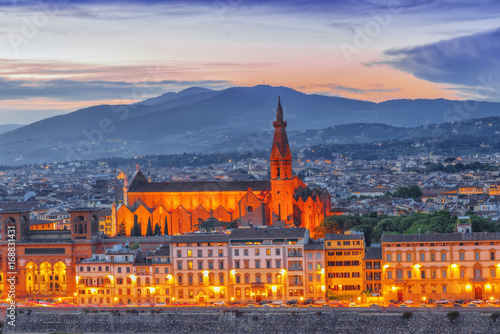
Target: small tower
point(14, 224)
point(281, 172)
point(84, 223)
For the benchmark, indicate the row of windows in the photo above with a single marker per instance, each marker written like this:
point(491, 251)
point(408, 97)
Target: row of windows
point(200, 265)
point(433, 244)
point(210, 253)
point(345, 287)
point(433, 274)
point(342, 263)
point(433, 256)
point(119, 270)
point(344, 243)
point(339, 253)
point(344, 275)
point(257, 264)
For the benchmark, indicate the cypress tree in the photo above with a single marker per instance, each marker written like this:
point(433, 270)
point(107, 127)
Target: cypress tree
point(149, 230)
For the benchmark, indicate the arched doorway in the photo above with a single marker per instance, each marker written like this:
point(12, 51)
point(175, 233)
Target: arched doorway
point(60, 277)
point(258, 296)
point(31, 278)
point(201, 298)
point(478, 293)
point(46, 278)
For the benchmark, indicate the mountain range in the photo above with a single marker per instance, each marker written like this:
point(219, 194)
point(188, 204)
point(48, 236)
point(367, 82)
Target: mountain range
point(239, 118)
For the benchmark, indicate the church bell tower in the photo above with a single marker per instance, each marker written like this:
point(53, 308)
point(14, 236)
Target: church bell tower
point(281, 171)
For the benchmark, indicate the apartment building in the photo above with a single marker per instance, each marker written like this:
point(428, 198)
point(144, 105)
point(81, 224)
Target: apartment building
point(268, 263)
point(344, 263)
point(434, 266)
point(314, 255)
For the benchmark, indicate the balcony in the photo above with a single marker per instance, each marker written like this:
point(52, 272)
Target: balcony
point(296, 284)
point(258, 284)
point(478, 279)
point(295, 254)
point(295, 268)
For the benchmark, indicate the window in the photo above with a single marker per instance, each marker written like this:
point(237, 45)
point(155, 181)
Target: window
point(346, 243)
point(238, 279)
point(221, 252)
point(179, 265)
point(179, 279)
point(190, 265)
point(268, 264)
point(476, 256)
point(211, 265)
point(200, 253)
point(492, 255)
point(179, 253)
point(257, 251)
point(237, 264)
point(493, 273)
point(356, 242)
point(408, 257)
point(257, 263)
point(221, 265)
point(422, 257)
point(389, 257)
point(309, 266)
point(236, 252)
point(247, 279)
point(443, 273)
point(245, 252)
point(268, 251)
point(190, 279)
point(399, 274)
point(477, 273)
point(443, 256)
point(128, 270)
point(210, 253)
point(462, 256)
point(200, 265)
point(318, 255)
point(221, 278)
point(278, 263)
point(422, 274)
point(462, 273)
point(433, 257)
point(269, 279)
point(200, 278)
point(119, 270)
point(190, 253)
point(278, 251)
point(433, 274)
point(445, 288)
point(389, 274)
point(408, 274)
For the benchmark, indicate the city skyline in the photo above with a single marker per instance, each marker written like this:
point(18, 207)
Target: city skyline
point(58, 57)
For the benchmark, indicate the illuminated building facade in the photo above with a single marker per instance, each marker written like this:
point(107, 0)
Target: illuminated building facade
point(179, 206)
point(315, 276)
point(268, 263)
point(200, 268)
point(344, 263)
point(434, 266)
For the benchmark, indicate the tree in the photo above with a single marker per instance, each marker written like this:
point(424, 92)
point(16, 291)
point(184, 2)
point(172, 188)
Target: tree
point(121, 230)
point(136, 229)
point(157, 229)
point(135, 245)
point(165, 229)
point(367, 231)
point(149, 229)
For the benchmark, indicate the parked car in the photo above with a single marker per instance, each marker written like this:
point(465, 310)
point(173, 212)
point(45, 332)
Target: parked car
point(403, 305)
point(292, 301)
point(353, 305)
point(278, 302)
point(219, 303)
point(394, 301)
point(161, 304)
point(477, 301)
point(374, 305)
point(459, 301)
point(235, 303)
point(409, 302)
point(442, 301)
point(423, 305)
point(457, 305)
point(472, 305)
point(320, 302)
point(492, 301)
point(307, 302)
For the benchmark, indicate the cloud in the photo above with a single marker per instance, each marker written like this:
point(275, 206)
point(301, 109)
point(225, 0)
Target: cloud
point(72, 90)
point(336, 87)
point(470, 63)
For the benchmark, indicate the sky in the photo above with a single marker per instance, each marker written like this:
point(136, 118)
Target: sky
point(60, 56)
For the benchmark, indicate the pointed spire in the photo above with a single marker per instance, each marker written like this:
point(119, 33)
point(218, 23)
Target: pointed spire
point(137, 167)
point(279, 111)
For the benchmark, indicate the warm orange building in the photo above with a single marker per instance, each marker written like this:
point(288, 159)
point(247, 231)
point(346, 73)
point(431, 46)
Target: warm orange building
point(179, 206)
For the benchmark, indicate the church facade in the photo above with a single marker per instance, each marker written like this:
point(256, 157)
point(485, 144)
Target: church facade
point(180, 207)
